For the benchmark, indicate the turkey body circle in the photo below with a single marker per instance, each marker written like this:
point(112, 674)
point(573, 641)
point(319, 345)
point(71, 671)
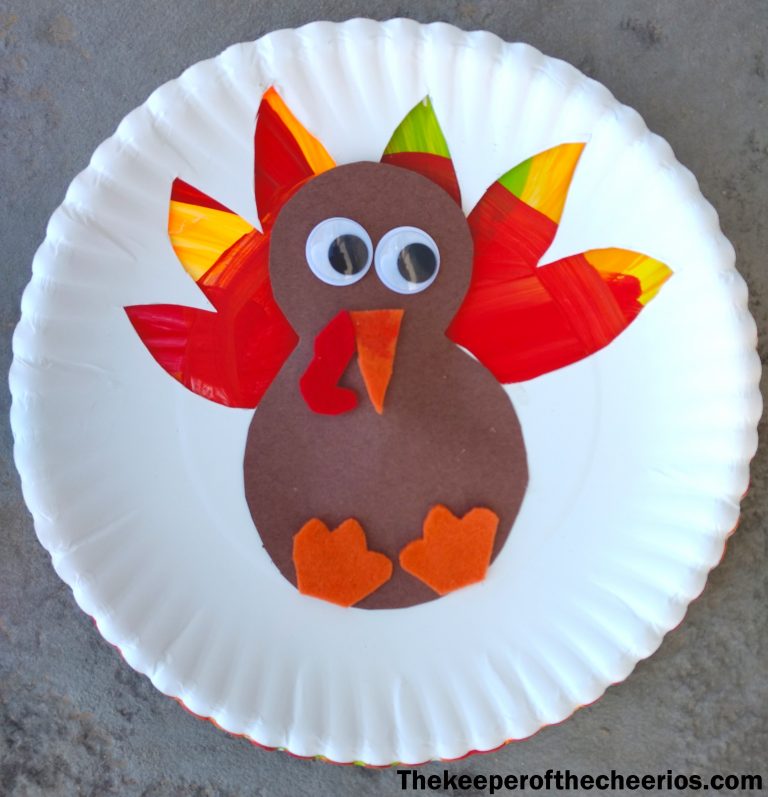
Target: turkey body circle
point(573, 268)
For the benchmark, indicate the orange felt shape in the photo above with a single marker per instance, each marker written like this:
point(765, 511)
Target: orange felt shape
point(376, 332)
point(454, 552)
point(336, 565)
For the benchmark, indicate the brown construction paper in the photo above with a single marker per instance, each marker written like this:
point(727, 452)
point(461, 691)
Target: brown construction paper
point(448, 435)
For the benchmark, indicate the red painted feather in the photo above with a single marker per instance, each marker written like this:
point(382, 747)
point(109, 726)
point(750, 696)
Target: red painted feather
point(436, 168)
point(232, 355)
point(521, 321)
point(279, 162)
point(184, 192)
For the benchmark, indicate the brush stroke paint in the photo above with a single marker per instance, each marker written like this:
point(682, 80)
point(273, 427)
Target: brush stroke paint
point(521, 320)
point(286, 156)
point(418, 144)
point(518, 319)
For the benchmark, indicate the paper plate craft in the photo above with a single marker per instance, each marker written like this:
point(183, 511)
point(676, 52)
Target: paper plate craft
point(295, 302)
point(364, 359)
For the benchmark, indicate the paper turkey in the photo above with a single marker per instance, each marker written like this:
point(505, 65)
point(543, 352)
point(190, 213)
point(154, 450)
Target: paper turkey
point(372, 326)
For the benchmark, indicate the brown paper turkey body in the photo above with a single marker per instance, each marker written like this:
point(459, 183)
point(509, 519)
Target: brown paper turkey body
point(384, 465)
point(446, 435)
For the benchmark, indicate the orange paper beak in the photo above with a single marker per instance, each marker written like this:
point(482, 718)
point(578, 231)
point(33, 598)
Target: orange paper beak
point(376, 333)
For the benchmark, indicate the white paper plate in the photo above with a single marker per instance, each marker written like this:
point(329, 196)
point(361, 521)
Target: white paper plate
point(638, 455)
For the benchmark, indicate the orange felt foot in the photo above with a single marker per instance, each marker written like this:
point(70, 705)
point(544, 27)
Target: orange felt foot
point(336, 565)
point(454, 552)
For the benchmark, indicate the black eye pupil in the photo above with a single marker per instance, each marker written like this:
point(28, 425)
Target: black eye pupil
point(348, 254)
point(416, 262)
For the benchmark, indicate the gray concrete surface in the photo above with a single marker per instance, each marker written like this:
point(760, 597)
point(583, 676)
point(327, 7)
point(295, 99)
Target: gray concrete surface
point(74, 719)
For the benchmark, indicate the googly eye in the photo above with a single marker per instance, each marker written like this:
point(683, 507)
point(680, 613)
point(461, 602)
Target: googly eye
point(339, 251)
point(407, 260)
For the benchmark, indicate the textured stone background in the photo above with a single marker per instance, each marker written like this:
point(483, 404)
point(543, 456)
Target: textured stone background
point(74, 719)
